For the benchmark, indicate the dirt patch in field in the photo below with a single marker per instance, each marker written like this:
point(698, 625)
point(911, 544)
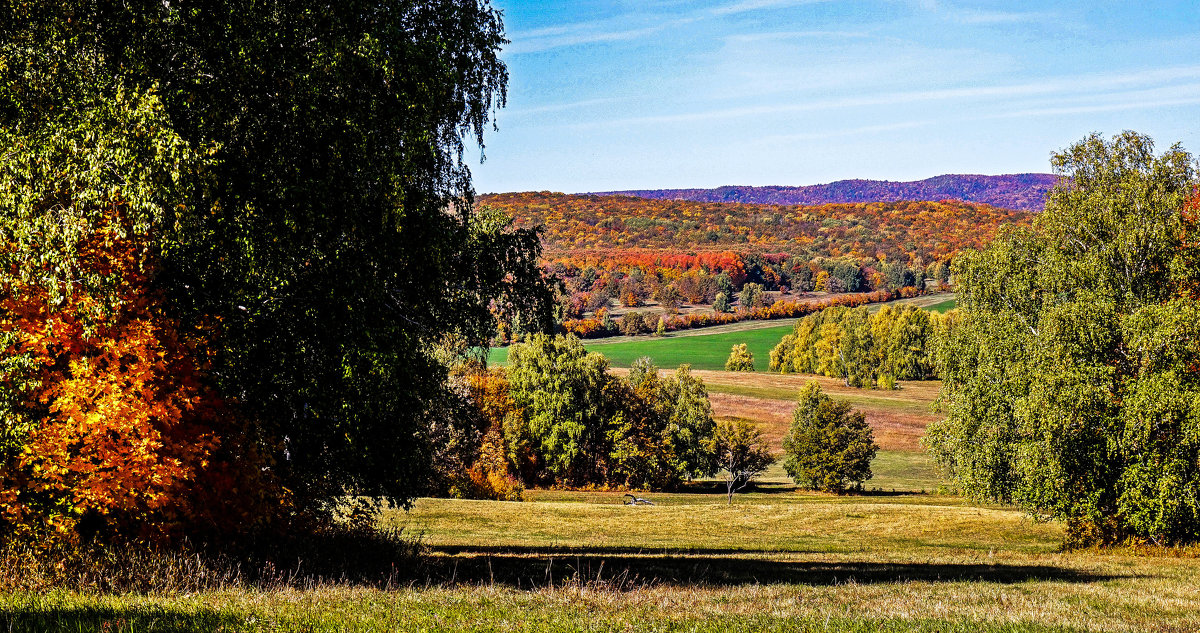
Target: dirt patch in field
point(893, 430)
point(772, 416)
point(898, 417)
point(897, 431)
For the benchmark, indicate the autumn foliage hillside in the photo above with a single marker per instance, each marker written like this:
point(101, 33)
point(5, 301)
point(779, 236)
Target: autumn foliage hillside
point(898, 231)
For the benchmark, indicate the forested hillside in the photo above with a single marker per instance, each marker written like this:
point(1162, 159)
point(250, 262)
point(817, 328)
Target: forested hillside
point(1012, 191)
point(901, 231)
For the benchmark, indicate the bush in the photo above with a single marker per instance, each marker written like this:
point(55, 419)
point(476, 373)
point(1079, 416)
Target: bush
point(721, 303)
point(828, 446)
point(751, 296)
point(740, 359)
point(633, 323)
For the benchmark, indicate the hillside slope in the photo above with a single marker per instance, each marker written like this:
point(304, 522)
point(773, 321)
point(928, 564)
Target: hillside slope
point(932, 231)
point(1026, 192)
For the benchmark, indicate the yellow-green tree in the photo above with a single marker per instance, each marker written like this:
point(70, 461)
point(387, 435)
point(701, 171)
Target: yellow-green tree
point(1072, 377)
point(740, 359)
point(828, 446)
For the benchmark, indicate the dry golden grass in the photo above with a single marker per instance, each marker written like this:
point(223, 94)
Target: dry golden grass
point(898, 417)
point(784, 559)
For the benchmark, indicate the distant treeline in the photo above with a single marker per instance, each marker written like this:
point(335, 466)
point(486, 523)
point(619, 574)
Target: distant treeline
point(1011, 191)
point(634, 323)
point(738, 287)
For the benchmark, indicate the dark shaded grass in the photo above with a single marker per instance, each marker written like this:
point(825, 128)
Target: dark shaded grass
point(532, 567)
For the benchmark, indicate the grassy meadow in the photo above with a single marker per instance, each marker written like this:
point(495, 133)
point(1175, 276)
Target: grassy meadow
point(904, 555)
point(707, 348)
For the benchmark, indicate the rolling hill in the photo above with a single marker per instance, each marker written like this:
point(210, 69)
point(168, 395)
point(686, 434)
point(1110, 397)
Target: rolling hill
point(1026, 192)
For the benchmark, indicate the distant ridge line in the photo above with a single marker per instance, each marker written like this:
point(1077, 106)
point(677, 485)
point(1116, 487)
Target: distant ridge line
point(1026, 192)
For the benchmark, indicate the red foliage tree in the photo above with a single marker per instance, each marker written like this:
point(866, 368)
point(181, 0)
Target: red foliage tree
point(124, 437)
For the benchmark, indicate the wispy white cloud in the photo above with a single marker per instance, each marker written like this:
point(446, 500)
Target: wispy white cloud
point(951, 12)
point(1089, 87)
point(585, 33)
point(839, 133)
point(560, 107)
point(987, 18)
point(620, 28)
point(1130, 100)
point(746, 6)
point(1143, 99)
point(796, 35)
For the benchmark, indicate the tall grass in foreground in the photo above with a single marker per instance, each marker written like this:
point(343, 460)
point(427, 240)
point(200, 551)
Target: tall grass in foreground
point(368, 557)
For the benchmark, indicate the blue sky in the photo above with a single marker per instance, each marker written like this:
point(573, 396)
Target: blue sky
point(608, 95)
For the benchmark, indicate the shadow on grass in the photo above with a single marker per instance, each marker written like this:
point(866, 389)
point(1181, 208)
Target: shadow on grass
point(51, 618)
point(717, 488)
point(527, 567)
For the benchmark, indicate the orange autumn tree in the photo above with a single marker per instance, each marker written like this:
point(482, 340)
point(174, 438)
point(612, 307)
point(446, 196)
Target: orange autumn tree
point(112, 429)
point(476, 460)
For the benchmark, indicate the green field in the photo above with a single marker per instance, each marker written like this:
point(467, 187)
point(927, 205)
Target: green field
point(943, 306)
point(705, 350)
point(702, 351)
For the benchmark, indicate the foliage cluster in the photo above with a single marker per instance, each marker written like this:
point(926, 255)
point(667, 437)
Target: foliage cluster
point(592, 283)
point(1072, 381)
point(470, 456)
point(575, 424)
point(110, 427)
point(740, 451)
point(828, 445)
point(868, 350)
point(740, 359)
point(605, 325)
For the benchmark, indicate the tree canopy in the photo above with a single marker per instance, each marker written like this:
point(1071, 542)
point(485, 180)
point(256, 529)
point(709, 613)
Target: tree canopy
point(829, 446)
point(295, 173)
point(579, 425)
point(1071, 378)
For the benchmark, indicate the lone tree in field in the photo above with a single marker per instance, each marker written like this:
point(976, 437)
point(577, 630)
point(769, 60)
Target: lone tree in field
point(740, 359)
point(740, 452)
point(828, 446)
point(1072, 380)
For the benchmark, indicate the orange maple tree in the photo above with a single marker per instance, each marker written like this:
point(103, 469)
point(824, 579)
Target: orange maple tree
point(125, 436)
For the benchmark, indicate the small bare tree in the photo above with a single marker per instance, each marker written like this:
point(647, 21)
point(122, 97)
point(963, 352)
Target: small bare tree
point(740, 453)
